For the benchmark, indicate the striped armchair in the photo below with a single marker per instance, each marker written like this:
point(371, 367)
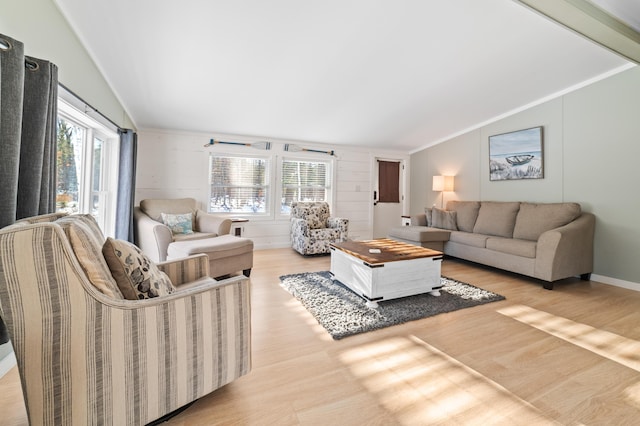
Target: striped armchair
point(88, 358)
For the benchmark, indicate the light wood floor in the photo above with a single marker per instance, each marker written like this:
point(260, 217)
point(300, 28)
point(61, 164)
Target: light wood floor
point(568, 356)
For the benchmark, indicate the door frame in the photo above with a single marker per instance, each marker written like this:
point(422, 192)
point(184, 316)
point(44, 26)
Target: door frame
point(404, 185)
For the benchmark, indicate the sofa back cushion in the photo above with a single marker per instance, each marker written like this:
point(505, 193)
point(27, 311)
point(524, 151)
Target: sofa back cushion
point(155, 207)
point(496, 218)
point(466, 213)
point(534, 219)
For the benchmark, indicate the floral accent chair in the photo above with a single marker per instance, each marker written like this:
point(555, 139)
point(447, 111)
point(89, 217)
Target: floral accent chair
point(313, 229)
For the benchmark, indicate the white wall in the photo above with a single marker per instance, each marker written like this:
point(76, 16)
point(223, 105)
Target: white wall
point(45, 33)
point(591, 153)
point(174, 164)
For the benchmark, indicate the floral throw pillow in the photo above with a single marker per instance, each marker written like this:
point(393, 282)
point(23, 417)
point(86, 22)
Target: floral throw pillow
point(178, 223)
point(136, 275)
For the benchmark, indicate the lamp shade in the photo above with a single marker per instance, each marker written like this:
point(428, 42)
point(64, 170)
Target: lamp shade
point(443, 183)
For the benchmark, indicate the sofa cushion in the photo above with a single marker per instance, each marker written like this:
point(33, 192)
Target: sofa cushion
point(522, 248)
point(496, 218)
point(137, 276)
point(215, 248)
point(469, 239)
point(466, 213)
point(86, 240)
point(181, 223)
point(419, 234)
point(534, 219)
point(444, 219)
point(155, 207)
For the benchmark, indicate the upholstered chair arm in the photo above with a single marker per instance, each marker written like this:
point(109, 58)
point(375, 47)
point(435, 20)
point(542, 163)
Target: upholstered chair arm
point(207, 222)
point(151, 236)
point(419, 220)
point(299, 227)
point(186, 269)
point(567, 250)
point(341, 224)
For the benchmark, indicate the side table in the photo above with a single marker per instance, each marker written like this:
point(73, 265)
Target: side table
point(237, 228)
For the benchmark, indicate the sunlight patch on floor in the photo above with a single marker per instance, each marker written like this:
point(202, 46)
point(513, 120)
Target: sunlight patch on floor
point(632, 395)
point(420, 384)
point(297, 307)
point(617, 348)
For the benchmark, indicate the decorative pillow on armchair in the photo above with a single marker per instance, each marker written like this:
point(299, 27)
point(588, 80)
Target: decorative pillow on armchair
point(178, 223)
point(136, 275)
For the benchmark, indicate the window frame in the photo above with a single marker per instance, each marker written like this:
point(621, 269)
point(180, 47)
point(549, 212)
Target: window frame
point(269, 185)
point(330, 175)
point(109, 164)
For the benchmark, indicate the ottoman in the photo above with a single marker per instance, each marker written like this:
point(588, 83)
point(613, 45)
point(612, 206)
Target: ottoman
point(227, 253)
point(432, 238)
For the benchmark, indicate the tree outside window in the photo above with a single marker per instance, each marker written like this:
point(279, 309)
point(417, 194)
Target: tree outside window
point(238, 184)
point(304, 181)
point(69, 159)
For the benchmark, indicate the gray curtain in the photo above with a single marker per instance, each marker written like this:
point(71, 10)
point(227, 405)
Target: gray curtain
point(28, 101)
point(126, 185)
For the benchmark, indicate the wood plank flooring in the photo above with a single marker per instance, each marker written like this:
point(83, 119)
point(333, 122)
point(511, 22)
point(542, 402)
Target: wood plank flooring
point(569, 356)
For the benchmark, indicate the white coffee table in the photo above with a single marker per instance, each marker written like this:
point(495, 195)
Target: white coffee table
point(386, 269)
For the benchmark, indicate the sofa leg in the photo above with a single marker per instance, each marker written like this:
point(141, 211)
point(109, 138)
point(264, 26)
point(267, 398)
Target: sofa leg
point(586, 277)
point(246, 272)
point(548, 286)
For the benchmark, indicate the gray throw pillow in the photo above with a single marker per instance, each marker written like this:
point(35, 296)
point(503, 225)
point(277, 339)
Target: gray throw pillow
point(444, 219)
point(428, 212)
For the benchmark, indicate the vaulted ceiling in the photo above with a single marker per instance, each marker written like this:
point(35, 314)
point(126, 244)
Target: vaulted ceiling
point(397, 74)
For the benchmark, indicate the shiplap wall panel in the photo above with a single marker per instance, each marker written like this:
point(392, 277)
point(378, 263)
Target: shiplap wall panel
point(174, 164)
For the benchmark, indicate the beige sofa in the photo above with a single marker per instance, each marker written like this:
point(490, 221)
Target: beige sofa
point(548, 241)
point(209, 235)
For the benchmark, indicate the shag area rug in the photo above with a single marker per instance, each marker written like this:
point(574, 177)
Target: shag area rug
point(343, 313)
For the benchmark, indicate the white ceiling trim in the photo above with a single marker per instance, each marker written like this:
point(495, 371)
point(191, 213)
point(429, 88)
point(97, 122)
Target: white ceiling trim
point(594, 23)
point(530, 105)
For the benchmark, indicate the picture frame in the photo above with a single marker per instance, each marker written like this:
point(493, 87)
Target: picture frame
point(517, 155)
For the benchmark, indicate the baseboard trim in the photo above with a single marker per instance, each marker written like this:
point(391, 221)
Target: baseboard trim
point(267, 246)
point(616, 282)
point(7, 363)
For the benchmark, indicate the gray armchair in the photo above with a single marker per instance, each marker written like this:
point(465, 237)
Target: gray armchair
point(154, 237)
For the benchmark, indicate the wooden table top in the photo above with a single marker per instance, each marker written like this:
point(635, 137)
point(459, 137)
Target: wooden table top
point(390, 250)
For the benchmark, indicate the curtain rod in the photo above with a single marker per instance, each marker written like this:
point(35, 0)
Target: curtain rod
point(92, 108)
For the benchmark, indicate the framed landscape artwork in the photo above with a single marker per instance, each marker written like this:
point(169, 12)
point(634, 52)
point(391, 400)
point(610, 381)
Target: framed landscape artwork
point(516, 155)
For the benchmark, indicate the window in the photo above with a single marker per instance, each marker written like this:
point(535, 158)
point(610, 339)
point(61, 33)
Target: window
point(239, 184)
point(304, 180)
point(86, 167)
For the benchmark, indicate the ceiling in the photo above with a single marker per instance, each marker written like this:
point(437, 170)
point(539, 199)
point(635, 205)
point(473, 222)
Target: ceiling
point(396, 74)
